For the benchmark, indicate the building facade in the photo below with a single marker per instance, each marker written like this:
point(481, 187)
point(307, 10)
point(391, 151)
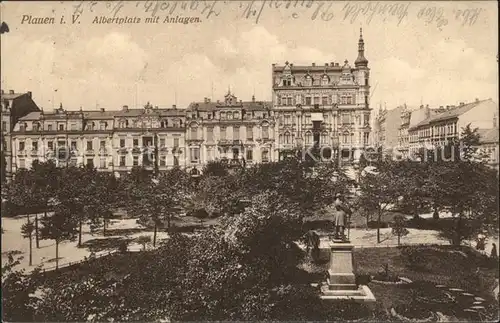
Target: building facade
point(323, 105)
point(114, 141)
point(387, 129)
point(231, 130)
point(13, 106)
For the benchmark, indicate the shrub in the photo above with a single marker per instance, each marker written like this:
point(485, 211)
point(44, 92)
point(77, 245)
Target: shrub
point(413, 257)
point(376, 225)
point(123, 246)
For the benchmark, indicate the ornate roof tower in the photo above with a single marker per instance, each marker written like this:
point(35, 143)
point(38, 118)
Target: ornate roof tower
point(361, 61)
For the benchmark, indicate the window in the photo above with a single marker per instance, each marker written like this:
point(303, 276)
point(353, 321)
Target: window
point(308, 119)
point(265, 156)
point(324, 81)
point(249, 154)
point(102, 144)
point(288, 120)
point(176, 161)
point(34, 146)
point(345, 138)
point(162, 142)
point(236, 115)
point(163, 160)
point(61, 143)
point(122, 160)
point(49, 127)
point(73, 145)
point(366, 137)
point(210, 134)
point(210, 153)
point(366, 119)
point(36, 126)
point(265, 132)
point(101, 126)
point(346, 118)
point(309, 81)
point(21, 145)
point(194, 133)
point(223, 116)
point(289, 101)
point(22, 127)
point(61, 127)
point(324, 100)
point(229, 116)
point(136, 142)
point(176, 142)
point(249, 133)
point(89, 145)
point(102, 163)
point(316, 100)
point(324, 138)
point(308, 100)
point(136, 161)
point(50, 145)
point(4, 125)
point(309, 138)
point(90, 162)
point(222, 133)
point(122, 143)
point(195, 155)
point(22, 163)
point(287, 138)
point(73, 126)
point(236, 133)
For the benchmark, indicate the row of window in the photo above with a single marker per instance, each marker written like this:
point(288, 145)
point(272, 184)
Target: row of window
point(90, 146)
point(310, 100)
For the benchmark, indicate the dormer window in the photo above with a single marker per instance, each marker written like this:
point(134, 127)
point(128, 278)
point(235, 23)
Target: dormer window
point(223, 116)
point(36, 126)
point(325, 80)
point(236, 115)
point(309, 80)
point(22, 126)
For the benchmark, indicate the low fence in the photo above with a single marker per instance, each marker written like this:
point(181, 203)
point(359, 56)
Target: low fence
point(68, 264)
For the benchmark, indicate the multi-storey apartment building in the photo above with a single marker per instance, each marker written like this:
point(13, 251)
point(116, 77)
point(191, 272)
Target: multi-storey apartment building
point(109, 140)
point(232, 130)
point(387, 127)
point(403, 136)
point(447, 124)
point(12, 107)
point(325, 105)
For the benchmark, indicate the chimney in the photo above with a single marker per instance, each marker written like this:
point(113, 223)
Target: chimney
point(421, 106)
point(125, 108)
point(447, 107)
point(461, 103)
point(314, 64)
point(336, 64)
point(326, 64)
point(291, 65)
point(11, 91)
point(253, 98)
point(427, 106)
point(29, 94)
point(332, 64)
point(274, 65)
point(477, 100)
point(102, 110)
point(174, 106)
point(440, 107)
point(205, 100)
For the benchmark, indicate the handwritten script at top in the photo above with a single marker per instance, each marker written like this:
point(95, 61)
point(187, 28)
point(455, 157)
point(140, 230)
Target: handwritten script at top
point(314, 9)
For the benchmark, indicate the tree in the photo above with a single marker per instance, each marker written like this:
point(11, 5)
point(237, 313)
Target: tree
point(379, 192)
point(398, 227)
point(469, 140)
point(215, 168)
point(27, 232)
point(61, 226)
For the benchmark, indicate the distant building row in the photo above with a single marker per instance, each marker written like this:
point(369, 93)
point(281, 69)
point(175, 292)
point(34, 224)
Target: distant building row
point(405, 131)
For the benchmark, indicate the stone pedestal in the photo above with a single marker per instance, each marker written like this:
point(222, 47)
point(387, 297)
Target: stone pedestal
point(341, 281)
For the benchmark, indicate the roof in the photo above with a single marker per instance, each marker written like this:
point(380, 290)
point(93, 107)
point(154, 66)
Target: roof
point(488, 135)
point(449, 114)
point(247, 105)
point(100, 115)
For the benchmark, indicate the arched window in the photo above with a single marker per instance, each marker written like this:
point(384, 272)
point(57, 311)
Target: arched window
point(223, 115)
point(325, 80)
point(309, 138)
point(324, 138)
point(194, 132)
point(236, 115)
point(280, 138)
point(309, 80)
point(229, 116)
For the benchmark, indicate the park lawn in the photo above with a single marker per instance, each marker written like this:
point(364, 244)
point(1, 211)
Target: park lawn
point(444, 265)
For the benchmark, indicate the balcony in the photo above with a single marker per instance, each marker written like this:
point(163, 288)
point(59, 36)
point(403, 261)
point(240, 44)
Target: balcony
point(34, 152)
point(227, 142)
point(122, 150)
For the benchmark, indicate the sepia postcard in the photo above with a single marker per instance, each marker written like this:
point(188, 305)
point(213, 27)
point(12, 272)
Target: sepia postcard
point(272, 160)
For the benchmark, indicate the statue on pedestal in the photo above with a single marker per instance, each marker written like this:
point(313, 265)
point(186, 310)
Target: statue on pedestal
point(340, 216)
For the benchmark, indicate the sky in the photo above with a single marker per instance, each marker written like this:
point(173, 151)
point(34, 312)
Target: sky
point(433, 53)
